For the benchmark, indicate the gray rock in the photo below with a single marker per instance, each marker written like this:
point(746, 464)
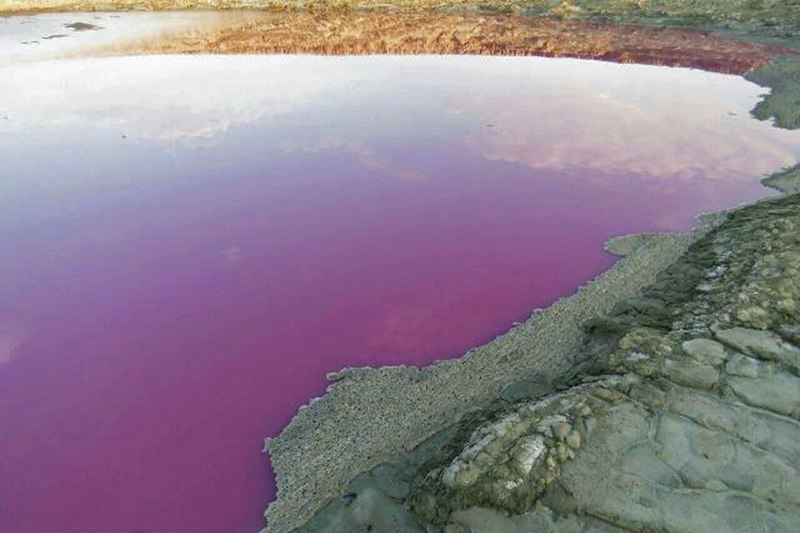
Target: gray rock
point(525, 388)
point(705, 350)
point(692, 374)
point(762, 344)
point(369, 510)
point(763, 384)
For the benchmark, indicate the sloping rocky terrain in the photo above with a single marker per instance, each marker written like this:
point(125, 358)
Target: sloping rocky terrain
point(683, 417)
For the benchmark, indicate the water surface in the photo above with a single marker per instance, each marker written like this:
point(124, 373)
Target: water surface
point(50, 35)
point(188, 244)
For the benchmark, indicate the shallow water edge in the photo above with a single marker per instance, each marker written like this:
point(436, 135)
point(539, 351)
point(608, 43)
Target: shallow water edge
point(416, 403)
point(386, 419)
point(687, 400)
point(372, 416)
point(344, 433)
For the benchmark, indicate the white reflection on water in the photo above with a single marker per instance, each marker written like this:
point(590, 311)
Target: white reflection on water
point(165, 98)
point(25, 38)
point(553, 113)
point(622, 118)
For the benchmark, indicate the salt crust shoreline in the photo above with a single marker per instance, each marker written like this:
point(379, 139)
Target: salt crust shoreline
point(370, 416)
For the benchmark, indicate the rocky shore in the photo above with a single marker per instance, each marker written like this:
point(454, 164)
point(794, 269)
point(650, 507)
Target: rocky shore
point(371, 416)
point(681, 415)
point(390, 421)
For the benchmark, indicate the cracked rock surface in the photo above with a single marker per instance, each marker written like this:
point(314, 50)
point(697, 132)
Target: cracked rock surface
point(683, 417)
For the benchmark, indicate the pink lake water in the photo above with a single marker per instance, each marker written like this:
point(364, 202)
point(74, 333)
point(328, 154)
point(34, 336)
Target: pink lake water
point(189, 244)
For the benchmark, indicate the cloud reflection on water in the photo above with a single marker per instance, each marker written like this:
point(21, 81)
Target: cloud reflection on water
point(651, 121)
point(241, 239)
point(161, 98)
point(554, 114)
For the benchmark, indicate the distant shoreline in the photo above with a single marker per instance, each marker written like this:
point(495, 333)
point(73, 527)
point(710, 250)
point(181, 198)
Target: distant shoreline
point(377, 32)
point(387, 31)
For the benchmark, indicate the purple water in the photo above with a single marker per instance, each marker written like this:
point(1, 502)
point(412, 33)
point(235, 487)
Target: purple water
point(187, 246)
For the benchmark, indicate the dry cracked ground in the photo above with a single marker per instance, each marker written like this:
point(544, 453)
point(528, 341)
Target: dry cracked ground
point(684, 418)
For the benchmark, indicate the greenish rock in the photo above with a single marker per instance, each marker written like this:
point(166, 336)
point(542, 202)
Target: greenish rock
point(786, 181)
point(455, 528)
point(762, 384)
point(782, 105)
point(705, 351)
point(762, 344)
point(691, 373)
point(525, 388)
